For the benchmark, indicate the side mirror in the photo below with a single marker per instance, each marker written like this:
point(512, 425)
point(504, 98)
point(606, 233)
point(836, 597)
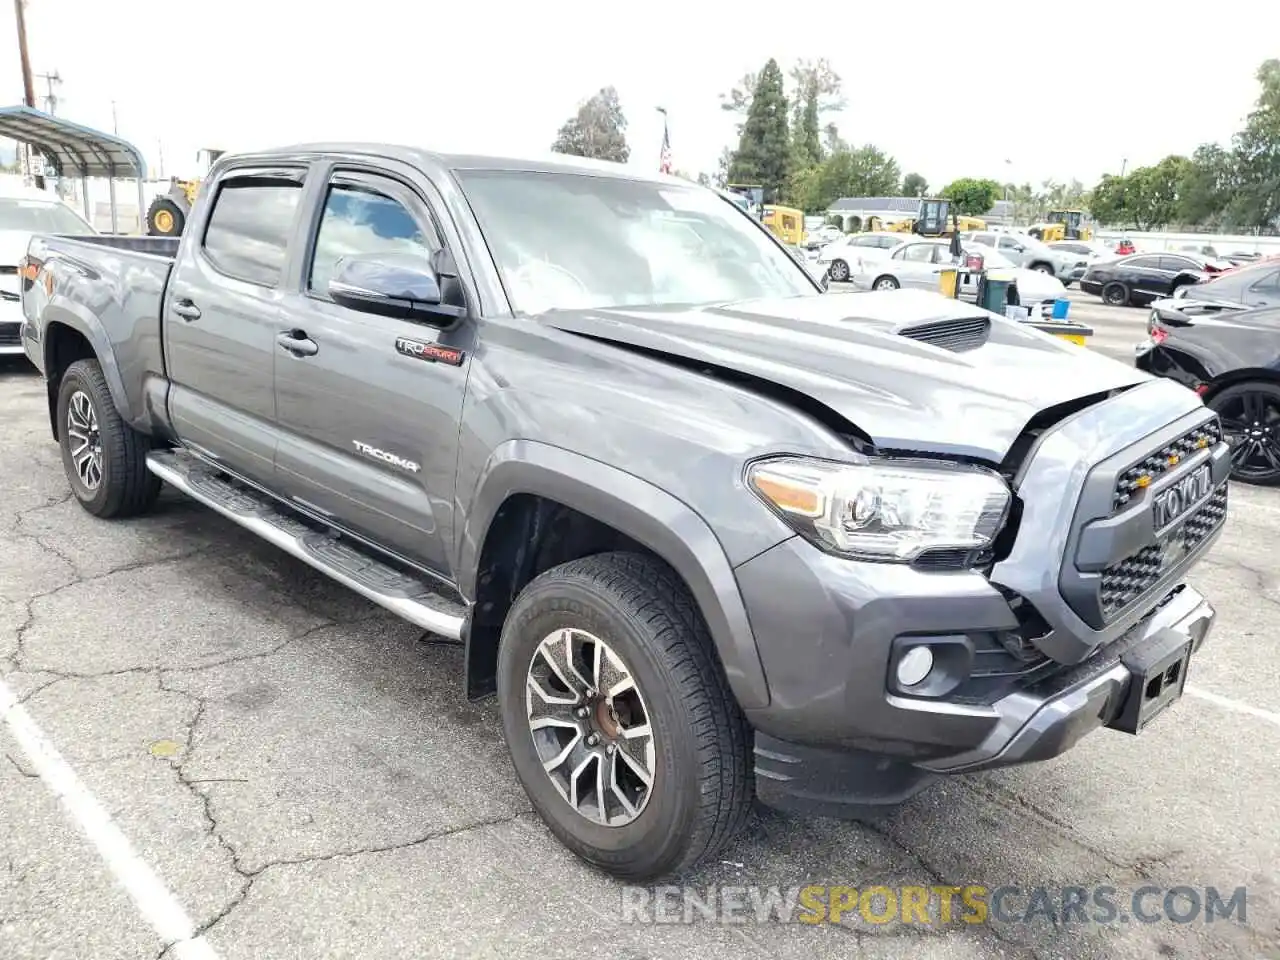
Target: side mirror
point(402, 285)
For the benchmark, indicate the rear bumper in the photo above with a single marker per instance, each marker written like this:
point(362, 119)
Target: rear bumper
point(1028, 725)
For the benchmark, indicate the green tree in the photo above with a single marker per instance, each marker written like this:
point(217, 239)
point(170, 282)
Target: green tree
point(972, 197)
point(1145, 199)
point(1207, 185)
point(864, 172)
point(1256, 201)
point(815, 91)
point(914, 185)
point(597, 130)
point(738, 99)
point(1107, 204)
point(764, 147)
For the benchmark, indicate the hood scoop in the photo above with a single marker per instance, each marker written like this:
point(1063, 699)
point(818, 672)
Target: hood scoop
point(956, 335)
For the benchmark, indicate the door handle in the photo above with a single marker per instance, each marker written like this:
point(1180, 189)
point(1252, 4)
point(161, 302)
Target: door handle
point(186, 310)
point(298, 343)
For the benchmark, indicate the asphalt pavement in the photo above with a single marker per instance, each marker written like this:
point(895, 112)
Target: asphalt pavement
point(207, 742)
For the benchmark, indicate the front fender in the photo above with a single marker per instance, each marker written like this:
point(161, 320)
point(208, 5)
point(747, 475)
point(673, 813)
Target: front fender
point(638, 509)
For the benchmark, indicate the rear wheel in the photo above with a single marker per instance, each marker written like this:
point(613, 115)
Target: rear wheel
point(1115, 294)
point(104, 458)
point(1250, 414)
point(1042, 268)
point(839, 271)
point(885, 283)
point(621, 726)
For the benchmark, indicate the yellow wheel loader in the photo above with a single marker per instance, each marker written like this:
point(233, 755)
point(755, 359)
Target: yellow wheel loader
point(1062, 225)
point(167, 215)
point(933, 219)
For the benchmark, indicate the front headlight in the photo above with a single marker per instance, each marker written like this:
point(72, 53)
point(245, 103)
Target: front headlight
point(882, 509)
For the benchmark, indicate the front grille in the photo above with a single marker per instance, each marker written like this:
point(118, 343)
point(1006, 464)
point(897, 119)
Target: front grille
point(1166, 458)
point(954, 335)
point(10, 334)
point(1124, 582)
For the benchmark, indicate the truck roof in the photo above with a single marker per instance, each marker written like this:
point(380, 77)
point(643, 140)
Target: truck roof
point(417, 156)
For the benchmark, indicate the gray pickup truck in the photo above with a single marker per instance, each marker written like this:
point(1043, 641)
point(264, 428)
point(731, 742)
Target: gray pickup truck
point(707, 531)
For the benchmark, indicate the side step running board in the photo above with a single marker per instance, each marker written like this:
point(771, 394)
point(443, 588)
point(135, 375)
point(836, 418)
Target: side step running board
point(414, 598)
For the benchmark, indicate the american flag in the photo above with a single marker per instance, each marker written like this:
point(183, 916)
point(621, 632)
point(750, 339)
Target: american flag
point(664, 160)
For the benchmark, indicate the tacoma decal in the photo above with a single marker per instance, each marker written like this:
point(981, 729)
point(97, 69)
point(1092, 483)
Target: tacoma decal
point(385, 457)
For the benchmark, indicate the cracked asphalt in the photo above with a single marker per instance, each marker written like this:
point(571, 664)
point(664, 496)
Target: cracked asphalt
point(304, 774)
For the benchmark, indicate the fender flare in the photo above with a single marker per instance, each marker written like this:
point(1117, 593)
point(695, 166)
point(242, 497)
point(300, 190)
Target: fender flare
point(60, 311)
point(642, 511)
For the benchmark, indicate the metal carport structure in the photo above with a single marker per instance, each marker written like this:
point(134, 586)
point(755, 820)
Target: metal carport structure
point(76, 150)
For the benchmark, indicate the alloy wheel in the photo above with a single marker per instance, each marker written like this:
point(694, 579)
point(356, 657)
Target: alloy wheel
point(1251, 424)
point(590, 727)
point(85, 440)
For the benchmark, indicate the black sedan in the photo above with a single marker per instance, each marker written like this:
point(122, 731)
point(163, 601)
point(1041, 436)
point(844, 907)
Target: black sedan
point(1231, 357)
point(1143, 277)
point(1257, 285)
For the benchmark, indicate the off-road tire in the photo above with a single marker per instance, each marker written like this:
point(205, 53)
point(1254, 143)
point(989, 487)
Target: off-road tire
point(127, 487)
point(703, 786)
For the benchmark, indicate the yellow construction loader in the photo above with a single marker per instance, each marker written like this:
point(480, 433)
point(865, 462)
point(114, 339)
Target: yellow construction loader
point(933, 219)
point(167, 215)
point(1062, 225)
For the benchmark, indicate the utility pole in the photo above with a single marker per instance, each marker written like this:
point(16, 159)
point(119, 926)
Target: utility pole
point(50, 98)
point(115, 124)
point(28, 85)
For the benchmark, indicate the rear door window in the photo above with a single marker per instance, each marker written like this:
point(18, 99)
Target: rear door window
point(247, 237)
point(1174, 264)
point(1143, 263)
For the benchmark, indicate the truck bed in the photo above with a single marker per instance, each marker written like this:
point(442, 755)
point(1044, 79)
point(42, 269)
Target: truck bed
point(166, 247)
point(109, 291)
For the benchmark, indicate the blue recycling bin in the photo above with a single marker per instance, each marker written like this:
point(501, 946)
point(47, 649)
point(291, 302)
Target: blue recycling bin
point(1060, 309)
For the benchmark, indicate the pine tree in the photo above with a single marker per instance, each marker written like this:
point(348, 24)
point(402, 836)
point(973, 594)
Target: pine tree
point(764, 148)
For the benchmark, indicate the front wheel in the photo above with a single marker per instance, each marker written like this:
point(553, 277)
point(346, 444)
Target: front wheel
point(885, 283)
point(1042, 268)
point(839, 271)
point(1250, 415)
point(104, 458)
point(621, 726)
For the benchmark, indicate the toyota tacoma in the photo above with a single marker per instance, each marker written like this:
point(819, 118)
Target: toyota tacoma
point(707, 531)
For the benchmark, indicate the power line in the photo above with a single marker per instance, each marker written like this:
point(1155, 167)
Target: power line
point(50, 98)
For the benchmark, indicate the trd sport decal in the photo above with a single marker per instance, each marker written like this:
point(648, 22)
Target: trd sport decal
point(431, 352)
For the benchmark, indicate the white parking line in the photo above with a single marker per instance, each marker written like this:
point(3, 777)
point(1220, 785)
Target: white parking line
point(157, 905)
point(1235, 706)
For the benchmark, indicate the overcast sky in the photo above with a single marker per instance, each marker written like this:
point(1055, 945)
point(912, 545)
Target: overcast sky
point(1069, 90)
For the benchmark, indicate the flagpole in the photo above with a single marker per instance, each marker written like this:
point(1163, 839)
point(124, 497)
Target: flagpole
point(664, 156)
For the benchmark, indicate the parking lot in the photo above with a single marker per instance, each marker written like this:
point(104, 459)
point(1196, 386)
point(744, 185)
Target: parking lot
point(304, 778)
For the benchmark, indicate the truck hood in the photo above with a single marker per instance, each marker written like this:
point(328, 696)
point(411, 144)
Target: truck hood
point(849, 353)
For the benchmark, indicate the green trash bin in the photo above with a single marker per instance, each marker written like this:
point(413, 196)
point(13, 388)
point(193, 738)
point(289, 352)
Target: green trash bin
point(993, 292)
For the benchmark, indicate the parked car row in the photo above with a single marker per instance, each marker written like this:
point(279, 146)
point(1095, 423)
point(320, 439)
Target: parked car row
point(1143, 277)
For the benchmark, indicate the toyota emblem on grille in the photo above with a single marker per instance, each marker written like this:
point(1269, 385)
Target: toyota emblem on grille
point(1171, 504)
